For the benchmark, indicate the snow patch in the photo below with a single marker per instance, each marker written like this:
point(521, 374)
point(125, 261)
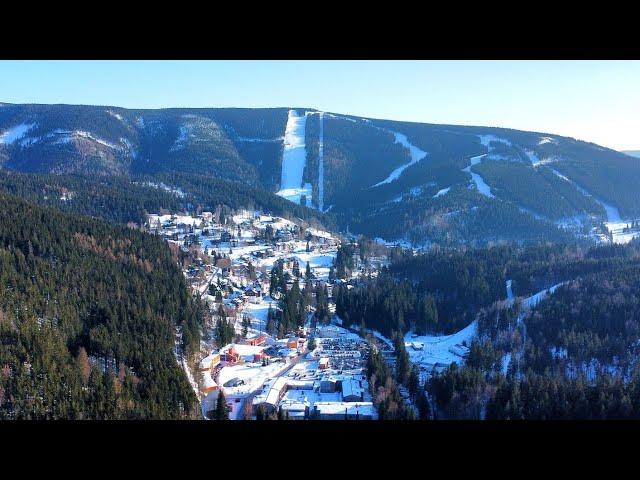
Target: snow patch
point(115, 115)
point(15, 133)
point(442, 192)
point(183, 136)
point(544, 140)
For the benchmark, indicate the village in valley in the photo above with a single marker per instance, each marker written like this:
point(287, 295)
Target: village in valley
point(245, 267)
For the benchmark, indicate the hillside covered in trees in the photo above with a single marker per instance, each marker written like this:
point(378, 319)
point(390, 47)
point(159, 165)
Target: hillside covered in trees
point(371, 181)
point(88, 319)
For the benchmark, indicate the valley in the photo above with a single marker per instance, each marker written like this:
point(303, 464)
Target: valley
point(314, 266)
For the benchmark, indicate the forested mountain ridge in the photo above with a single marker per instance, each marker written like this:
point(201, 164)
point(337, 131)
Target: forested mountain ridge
point(89, 313)
point(417, 182)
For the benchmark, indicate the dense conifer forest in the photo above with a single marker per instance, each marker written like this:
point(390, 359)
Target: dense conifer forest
point(88, 319)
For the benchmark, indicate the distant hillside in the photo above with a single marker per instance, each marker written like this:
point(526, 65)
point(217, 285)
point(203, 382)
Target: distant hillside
point(421, 183)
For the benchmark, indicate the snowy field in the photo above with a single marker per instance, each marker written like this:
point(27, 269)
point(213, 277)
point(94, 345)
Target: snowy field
point(252, 374)
point(431, 351)
point(294, 159)
point(415, 154)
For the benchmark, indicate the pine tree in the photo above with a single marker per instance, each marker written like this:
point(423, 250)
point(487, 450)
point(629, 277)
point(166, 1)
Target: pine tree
point(222, 409)
point(307, 273)
point(246, 323)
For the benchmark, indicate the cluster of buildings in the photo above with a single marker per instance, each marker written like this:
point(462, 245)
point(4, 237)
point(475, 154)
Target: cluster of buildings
point(232, 262)
point(323, 385)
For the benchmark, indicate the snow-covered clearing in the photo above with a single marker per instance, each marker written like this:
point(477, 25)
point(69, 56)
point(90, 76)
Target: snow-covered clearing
point(544, 140)
point(429, 351)
point(251, 375)
point(415, 154)
point(294, 159)
point(15, 133)
point(442, 192)
point(486, 140)
point(320, 263)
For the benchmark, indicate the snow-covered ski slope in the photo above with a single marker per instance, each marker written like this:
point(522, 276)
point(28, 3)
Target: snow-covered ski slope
point(416, 154)
point(479, 182)
point(294, 159)
point(431, 351)
point(16, 133)
point(481, 185)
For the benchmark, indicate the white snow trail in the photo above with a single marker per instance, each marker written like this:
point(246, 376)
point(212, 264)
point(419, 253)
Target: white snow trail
point(294, 159)
point(481, 185)
point(416, 154)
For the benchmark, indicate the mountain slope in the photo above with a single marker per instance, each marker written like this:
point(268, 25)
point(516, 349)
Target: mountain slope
point(88, 317)
point(397, 180)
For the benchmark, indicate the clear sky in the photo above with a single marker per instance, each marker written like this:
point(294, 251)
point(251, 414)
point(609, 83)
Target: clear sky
point(598, 101)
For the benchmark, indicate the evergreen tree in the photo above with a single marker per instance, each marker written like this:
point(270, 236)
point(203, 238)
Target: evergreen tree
point(222, 409)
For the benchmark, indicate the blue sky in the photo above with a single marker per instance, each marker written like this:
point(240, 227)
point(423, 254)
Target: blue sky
point(598, 101)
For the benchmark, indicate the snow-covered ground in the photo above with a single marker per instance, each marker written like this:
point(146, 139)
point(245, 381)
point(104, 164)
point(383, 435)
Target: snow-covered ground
point(615, 224)
point(415, 154)
point(253, 376)
point(430, 351)
point(442, 192)
point(535, 299)
point(481, 185)
point(115, 115)
point(183, 136)
point(487, 139)
point(509, 290)
point(14, 134)
point(320, 263)
point(294, 159)
point(544, 140)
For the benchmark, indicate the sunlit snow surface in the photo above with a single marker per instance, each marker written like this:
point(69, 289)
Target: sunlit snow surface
point(294, 159)
point(481, 185)
point(479, 182)
point(8, 137)
point(415, 153)
point(429, 351)
point(442, 192)
point(615, 224)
